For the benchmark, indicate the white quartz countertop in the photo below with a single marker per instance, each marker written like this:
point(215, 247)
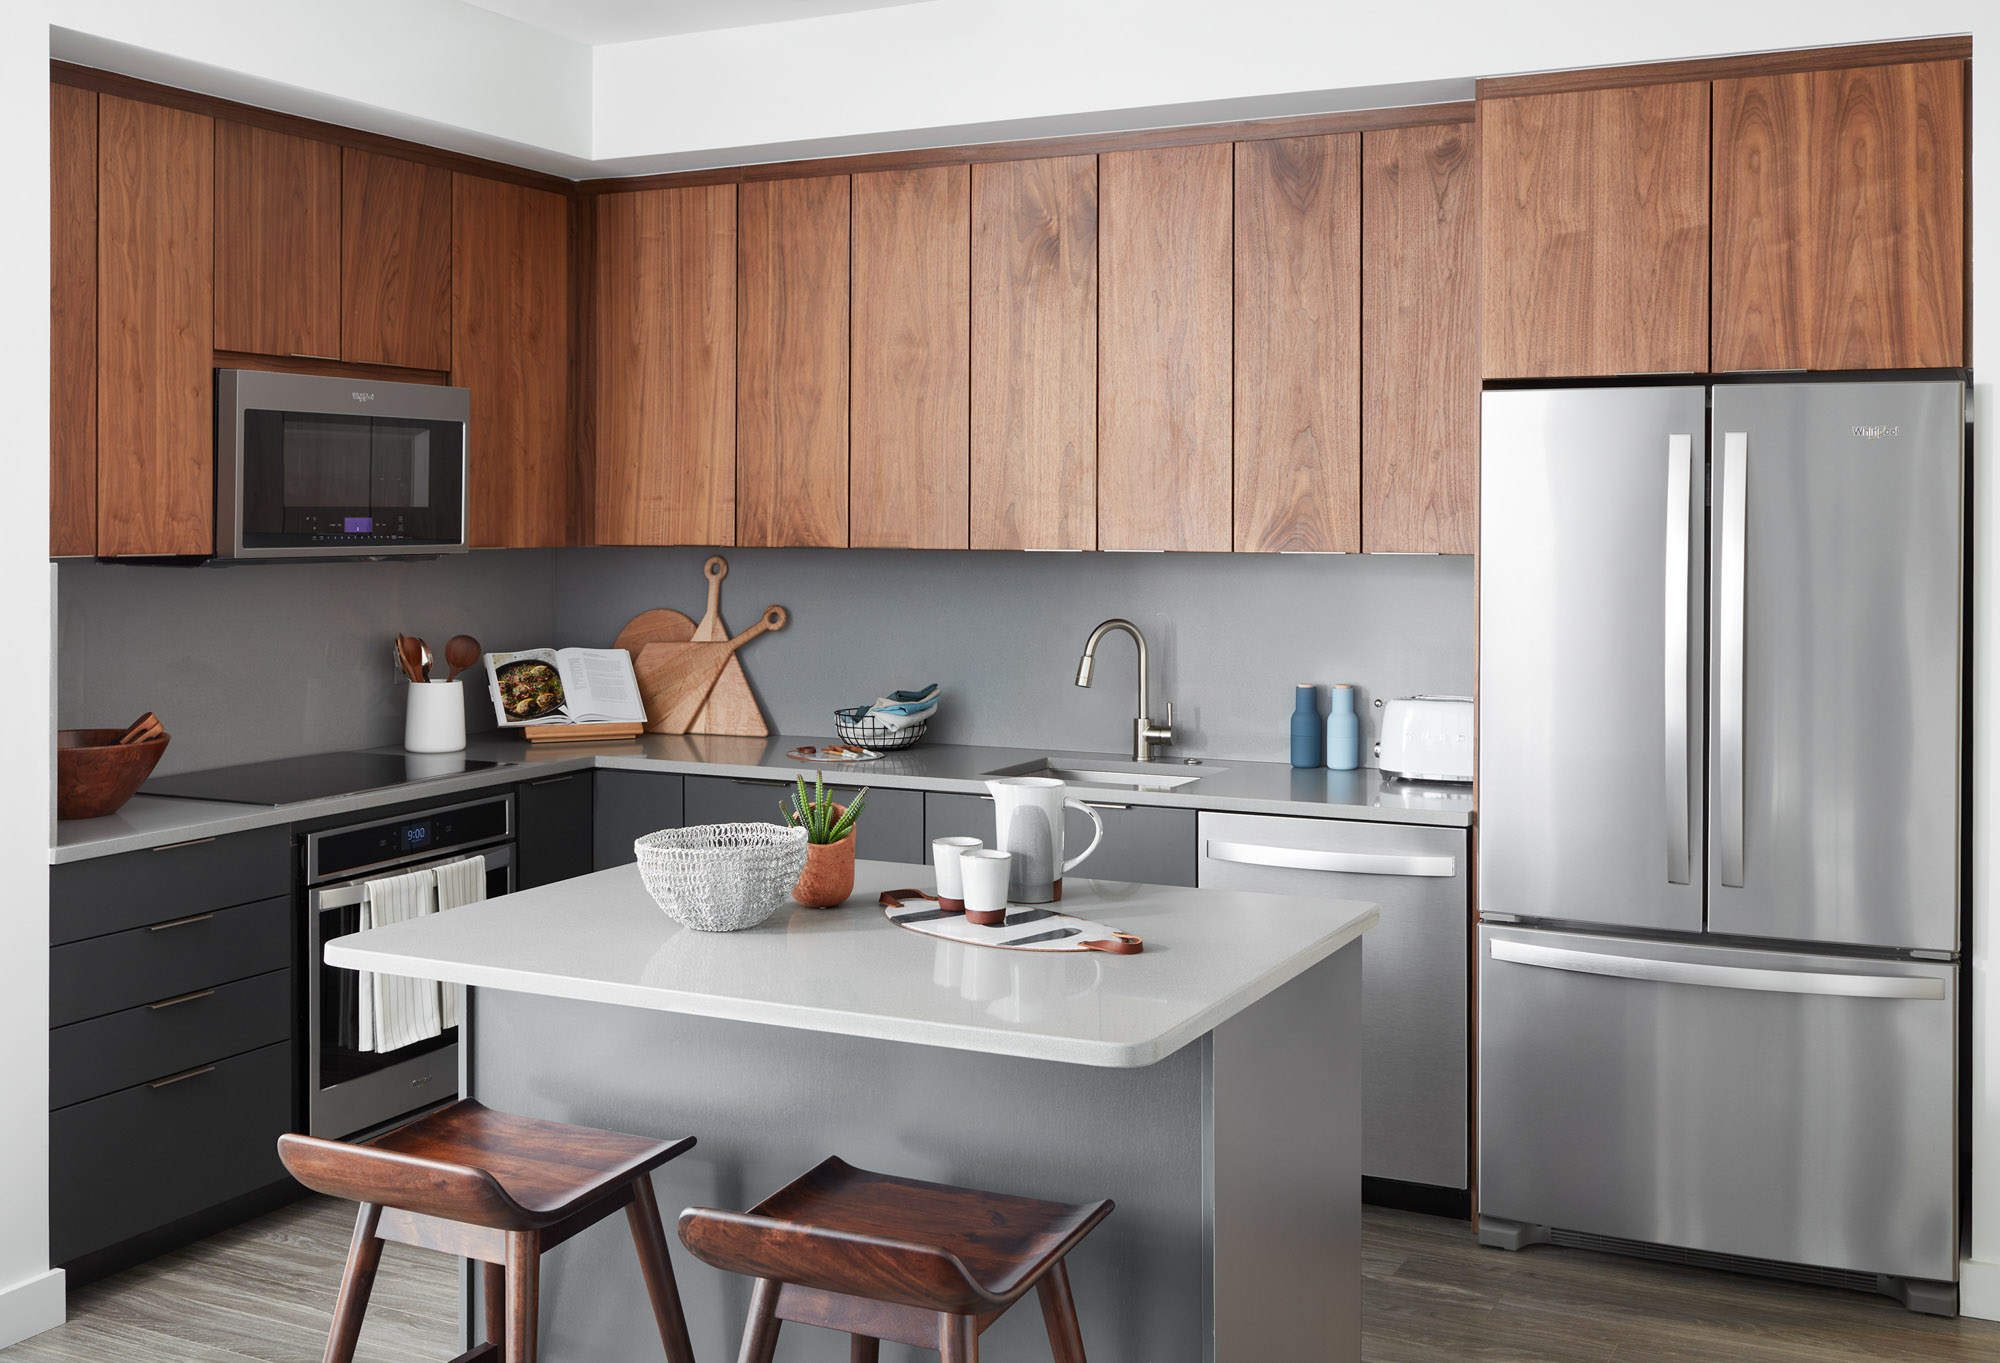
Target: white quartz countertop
point(1209, 955)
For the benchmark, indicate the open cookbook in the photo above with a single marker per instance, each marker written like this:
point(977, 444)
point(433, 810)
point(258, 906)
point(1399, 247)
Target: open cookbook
point(564, 686)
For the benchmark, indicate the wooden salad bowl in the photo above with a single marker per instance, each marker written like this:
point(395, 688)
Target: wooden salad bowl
point(96, 775)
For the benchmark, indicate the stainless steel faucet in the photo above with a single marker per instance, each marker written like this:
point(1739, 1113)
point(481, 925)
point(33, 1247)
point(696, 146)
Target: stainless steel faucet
point(1145, 734)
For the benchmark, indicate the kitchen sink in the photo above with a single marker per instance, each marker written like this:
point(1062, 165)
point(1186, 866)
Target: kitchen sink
point(1090, 772)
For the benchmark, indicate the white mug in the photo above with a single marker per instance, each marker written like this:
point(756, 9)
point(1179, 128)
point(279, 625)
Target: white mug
point(950, 885)
point(985, 874)
point(1028, 821)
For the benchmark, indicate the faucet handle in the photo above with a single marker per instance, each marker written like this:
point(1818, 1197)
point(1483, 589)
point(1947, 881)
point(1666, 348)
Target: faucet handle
point(1169, 736)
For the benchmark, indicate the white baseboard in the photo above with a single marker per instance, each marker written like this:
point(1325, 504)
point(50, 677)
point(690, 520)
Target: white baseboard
point(31, 1306)
point(1979, 1289)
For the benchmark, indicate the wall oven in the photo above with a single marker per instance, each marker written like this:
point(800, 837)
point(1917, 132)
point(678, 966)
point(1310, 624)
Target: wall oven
point(308, 466)
point(350, 1089)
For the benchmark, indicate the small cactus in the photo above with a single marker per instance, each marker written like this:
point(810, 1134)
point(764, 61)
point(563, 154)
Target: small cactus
point(814, 811)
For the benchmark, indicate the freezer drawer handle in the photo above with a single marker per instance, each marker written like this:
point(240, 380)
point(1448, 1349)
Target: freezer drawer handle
point(1353, 863)
point(1721, 976)
point(1732, 509)
point(1680, 518)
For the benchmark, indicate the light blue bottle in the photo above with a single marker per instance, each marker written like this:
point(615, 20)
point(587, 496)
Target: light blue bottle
point(1308, 730)
point(1343, 731)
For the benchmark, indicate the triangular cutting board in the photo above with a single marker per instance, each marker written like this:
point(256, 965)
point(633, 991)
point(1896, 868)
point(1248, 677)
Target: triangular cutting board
point(730, 708)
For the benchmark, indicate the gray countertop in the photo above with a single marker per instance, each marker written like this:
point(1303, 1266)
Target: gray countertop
point(1225, 784)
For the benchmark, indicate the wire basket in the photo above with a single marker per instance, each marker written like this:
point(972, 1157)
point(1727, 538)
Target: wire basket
point(854, 726)
point(721, 877)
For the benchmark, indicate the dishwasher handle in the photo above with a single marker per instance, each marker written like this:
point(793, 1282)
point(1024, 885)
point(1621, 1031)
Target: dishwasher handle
point(1349, 863)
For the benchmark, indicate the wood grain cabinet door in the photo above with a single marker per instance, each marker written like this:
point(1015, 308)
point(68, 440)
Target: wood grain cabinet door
point(72, 321)
point(1839, 219)
point(910, 421)
point(1034, 354)
point(395, 261)
point(1164, 348)
point(791, 362)
point(1594, 220)
point(1420, 321)
point(1298, 344)
point(666, 366)
point(155, 343)
point(277, 243)
point(510, 345)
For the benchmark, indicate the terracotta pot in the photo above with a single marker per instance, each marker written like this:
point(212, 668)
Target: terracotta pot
point(95, 775)
point(829, 875)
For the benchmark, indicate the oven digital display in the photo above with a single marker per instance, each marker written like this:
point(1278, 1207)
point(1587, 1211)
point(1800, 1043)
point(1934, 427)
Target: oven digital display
point(416, 836)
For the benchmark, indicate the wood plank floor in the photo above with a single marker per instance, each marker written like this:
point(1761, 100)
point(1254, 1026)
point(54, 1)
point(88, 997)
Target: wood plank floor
point(262, 1293)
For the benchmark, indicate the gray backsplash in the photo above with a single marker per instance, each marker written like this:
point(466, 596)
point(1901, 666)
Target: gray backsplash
point(260, 661)
point(1230, 634)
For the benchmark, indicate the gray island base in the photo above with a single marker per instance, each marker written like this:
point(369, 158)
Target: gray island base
point(1210, 1086)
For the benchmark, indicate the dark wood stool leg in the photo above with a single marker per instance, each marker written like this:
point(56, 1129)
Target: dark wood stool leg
point(958, 1339)
point(760, 1332)
point(1059, 1314)
point(493, 1287)
point(357, 1280)
point(524, 1272)
point(650, 1239)
point(862, 1349)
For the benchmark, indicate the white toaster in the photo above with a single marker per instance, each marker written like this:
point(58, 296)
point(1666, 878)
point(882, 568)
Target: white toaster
point(1426, 738)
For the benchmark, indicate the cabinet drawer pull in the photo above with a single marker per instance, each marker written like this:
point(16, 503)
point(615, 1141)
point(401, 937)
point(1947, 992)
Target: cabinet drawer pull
point(182, 922)
point(184, 1074)
point(746, 781)
point(552, 780)
point(1350, 863)
point(191, 842)
point(184, 998)
point(1095, 804)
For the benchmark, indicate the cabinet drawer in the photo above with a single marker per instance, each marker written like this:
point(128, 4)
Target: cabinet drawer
point(1141, 843)
point(146, 965)
point(118, 1050)
point(629, 805)
point(553, 835)
point(109, 894)
point(891, 827)
point(143, 1157)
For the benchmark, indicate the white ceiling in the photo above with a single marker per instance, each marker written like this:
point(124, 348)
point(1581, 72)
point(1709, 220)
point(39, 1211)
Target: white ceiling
point(597, 22)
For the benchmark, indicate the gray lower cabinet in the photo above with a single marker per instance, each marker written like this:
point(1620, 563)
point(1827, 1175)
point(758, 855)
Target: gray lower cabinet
point(1414, 967)
point(891, 826)
point(629, 805)
point(1141, 843)
point(553, 830)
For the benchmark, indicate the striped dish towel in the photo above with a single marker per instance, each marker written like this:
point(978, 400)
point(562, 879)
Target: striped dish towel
point(397, 1011)
point(458, 883)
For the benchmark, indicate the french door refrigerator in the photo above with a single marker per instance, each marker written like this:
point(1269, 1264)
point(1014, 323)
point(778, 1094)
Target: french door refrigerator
point(1719, 750)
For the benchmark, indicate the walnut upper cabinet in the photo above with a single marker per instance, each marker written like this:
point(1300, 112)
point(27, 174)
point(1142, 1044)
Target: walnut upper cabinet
point(1298, 344)
point(792, 362)
point(155, 345)
point(1594, 220)
point(1839, 230)
point(510, 320)
point(72, 321)
point(1164, 348)
point(277, 243)
point(1034, 354)
point(666, 366)
point(395, 261)
point(1420, 318)
point(910, 420)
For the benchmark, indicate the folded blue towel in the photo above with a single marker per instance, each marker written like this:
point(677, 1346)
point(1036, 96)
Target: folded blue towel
point(908, 697)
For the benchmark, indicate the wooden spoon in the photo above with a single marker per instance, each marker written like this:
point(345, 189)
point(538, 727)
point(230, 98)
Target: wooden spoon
point(460, 652)
point(410, 652)
point(146, 726)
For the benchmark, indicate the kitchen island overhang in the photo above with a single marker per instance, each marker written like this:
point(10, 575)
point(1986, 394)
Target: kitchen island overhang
point(1210, 1086)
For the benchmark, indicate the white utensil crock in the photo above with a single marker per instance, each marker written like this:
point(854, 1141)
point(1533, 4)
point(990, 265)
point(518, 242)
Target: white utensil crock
point(436, 719)
point(1028, 821)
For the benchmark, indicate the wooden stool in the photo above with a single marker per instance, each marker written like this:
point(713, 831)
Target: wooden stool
point(487, 1185)
point(924, 1264)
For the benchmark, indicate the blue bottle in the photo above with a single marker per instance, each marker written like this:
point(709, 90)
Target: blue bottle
point(1343, 731)
point(1308, 730)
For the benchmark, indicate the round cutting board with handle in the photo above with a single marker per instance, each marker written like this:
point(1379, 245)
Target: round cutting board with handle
point(730, 707)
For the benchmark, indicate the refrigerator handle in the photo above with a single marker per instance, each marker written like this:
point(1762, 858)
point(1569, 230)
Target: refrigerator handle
point(1719, 976)
point(1729, 657)
point(1680, 522)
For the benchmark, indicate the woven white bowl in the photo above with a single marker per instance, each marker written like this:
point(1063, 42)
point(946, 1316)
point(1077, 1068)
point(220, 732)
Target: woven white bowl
point(722, 877)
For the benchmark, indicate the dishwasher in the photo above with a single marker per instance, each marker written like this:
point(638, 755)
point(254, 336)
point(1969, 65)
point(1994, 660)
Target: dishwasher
point(1414, 969)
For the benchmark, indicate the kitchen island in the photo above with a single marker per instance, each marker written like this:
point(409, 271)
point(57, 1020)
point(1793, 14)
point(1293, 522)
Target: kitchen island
point(1210, 1086)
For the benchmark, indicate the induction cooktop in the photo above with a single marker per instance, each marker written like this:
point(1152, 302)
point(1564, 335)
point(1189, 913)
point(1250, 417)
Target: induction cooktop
point(291, 780)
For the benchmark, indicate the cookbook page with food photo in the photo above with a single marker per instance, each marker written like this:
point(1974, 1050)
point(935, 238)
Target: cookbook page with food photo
point(564, 686)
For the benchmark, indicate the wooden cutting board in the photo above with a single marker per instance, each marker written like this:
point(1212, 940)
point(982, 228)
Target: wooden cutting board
point(730, 707)
point(676, 678)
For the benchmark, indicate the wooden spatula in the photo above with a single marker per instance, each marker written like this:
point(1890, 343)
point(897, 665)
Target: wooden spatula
point(145, 727)
point(676, 678)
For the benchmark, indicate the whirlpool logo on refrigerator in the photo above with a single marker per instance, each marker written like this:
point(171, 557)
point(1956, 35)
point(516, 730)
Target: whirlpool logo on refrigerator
point(1877, 432)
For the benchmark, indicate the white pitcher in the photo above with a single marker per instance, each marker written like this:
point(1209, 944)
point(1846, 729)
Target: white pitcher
point(1028, 821)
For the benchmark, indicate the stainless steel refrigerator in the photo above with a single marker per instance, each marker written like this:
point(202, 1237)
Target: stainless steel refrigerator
point(1720, 736)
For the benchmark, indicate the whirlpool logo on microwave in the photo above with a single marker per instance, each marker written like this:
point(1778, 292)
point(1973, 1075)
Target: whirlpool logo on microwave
point(370, 397)
point(1877, 432)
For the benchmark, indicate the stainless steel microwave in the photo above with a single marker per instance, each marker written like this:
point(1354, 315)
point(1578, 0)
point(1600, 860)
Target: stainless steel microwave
point(308, 466)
